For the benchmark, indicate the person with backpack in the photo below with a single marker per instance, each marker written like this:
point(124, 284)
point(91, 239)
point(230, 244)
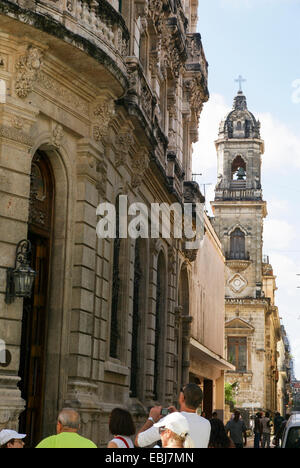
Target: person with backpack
point(122, 427)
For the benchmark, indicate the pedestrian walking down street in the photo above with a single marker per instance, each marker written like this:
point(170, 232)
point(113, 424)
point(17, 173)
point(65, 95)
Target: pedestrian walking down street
point(237, 429)
point(218, 437)
point(68, 425)
point(258, 430)
point(266, 436)
point(190, 399)
point(278, 420)
point(280, 432)
point(11, 439)
point(122, 427)
point(174, 431)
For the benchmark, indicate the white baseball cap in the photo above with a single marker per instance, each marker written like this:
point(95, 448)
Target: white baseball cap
point(6, 435)
point(176, 422)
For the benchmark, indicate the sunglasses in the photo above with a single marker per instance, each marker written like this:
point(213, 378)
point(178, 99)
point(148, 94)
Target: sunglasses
point(162, 429)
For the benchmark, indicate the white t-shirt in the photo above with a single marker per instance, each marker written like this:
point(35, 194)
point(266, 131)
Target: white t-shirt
point(200, 429)
point(121, 444)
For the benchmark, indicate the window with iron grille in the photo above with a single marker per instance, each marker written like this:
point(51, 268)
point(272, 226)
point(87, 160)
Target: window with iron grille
point(238, 245)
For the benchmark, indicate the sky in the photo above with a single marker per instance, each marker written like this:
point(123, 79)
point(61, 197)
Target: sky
point(260, 39)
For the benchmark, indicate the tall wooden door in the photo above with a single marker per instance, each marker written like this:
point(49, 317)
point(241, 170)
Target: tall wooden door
point(35, 313)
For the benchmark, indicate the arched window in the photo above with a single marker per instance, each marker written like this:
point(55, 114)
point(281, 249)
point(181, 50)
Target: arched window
point(2, 92)
point(239, 169)
point(238, 245)
point(183, 338)
point(136, 319)
point(114, 318)
point(239, 125)
point(159, 325)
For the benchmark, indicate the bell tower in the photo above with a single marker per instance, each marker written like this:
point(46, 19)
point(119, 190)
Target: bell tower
point(239, 211)
point(238, 207)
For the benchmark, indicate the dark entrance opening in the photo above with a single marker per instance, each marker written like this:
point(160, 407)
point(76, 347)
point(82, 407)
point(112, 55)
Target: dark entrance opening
point(208, 391)
point(35, 311)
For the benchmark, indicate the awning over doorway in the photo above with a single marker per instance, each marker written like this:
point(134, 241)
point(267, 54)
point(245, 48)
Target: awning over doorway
point(202, 353)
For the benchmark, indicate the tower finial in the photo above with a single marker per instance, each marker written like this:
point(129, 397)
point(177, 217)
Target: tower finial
point(240, 80)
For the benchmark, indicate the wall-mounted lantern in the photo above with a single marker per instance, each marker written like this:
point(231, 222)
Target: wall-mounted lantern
point(20, 279)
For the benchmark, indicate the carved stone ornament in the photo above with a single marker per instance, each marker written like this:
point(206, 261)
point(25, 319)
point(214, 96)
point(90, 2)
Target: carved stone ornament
point(101, 185)
point(172, 260)
point(139, 165)
point(57, 135)
point(15, 134)
point(102, 115)
point(190, 255)
point(17, 122)
point(195, 94)
point(123, 143)
point(237, 283)
point(27, 69)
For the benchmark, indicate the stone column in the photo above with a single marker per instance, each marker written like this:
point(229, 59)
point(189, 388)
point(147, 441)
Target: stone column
point(220, 396)
point(15, 167)
point(85, 322)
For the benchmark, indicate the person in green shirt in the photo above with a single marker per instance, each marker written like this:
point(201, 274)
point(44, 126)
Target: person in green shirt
point(68, 425)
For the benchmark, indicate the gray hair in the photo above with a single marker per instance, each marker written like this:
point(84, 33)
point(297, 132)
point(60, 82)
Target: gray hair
point(68, 417)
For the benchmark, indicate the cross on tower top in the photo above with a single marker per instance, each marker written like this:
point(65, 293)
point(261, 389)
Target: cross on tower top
point(240, 80)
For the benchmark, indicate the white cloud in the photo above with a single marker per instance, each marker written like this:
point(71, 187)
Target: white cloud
point(282, 145)
point(279, 234)
point(279, 208)
point(205, 151)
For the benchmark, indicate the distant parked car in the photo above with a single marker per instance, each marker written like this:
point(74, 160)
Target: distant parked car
point(291, 435)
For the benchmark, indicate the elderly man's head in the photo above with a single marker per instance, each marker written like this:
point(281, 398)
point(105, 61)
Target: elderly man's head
point(68, 421)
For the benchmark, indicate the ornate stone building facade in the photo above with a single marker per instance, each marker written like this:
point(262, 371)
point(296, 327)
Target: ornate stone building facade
point(284, 389)
point(252, 322)
point(97, 99)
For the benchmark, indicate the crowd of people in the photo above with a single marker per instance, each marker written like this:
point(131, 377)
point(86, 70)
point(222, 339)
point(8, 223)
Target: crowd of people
point(164, 428)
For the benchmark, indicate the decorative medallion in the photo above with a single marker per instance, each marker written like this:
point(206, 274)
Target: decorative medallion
point(237, 283)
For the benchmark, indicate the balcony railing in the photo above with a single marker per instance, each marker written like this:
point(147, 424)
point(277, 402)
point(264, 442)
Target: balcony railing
point(238, 256)
point(97, 20)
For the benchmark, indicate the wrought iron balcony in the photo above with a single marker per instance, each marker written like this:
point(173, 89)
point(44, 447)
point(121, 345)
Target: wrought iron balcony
point(238, 256)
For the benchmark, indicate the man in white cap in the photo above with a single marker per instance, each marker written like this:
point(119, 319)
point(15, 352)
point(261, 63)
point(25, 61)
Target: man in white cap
point(174, 432)
point(11, 439)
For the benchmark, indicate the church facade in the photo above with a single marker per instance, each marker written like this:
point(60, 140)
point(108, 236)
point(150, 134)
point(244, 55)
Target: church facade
point(97, 100)
point(252, 325)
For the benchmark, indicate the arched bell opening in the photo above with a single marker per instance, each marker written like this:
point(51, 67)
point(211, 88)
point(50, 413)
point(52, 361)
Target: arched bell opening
point(239, 169)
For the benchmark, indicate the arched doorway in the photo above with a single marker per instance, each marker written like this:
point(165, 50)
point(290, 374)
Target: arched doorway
point(35, 311)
